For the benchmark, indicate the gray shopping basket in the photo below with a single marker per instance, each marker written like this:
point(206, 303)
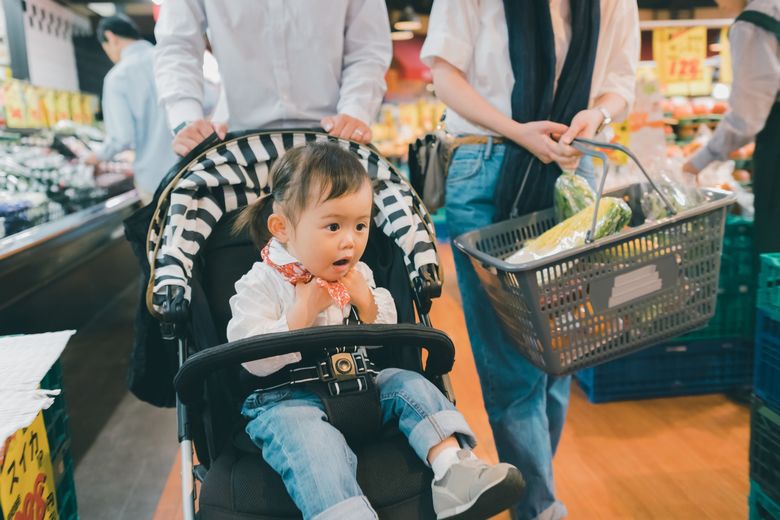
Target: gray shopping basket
point(608, 297)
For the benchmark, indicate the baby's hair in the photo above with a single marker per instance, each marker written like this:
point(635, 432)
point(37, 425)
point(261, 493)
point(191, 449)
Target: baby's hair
point(315, 172)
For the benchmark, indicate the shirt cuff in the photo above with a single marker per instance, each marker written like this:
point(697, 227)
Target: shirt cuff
point(183, 111)
point(703, 158)
point(357, 112)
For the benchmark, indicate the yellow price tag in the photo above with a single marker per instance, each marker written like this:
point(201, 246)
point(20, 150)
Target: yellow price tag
point(680, 54)
point(27, 490)
point(726, 67)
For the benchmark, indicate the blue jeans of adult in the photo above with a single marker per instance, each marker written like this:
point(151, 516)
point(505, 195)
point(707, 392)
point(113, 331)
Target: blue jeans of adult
point(317, 465)
point(526, 407)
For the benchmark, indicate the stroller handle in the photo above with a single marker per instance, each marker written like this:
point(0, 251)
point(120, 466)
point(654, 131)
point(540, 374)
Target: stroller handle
point(193, 373)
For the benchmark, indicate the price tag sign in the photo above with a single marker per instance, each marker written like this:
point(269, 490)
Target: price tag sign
point(27, 490)
point(679, 54)
point(726, 71)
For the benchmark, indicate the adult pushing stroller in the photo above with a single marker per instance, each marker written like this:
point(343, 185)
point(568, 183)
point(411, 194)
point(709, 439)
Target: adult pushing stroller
point(194, 259)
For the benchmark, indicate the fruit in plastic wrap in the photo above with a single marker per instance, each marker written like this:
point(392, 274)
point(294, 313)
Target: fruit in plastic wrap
point(572, 195)
point(613, 215)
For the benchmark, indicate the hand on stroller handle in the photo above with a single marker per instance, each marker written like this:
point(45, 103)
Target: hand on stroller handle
point(192, 374)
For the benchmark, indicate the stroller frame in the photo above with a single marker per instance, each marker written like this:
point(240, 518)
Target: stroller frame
point(173, 313)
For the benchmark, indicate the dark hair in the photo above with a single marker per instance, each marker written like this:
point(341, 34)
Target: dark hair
point(316, 172)
point(120, 25)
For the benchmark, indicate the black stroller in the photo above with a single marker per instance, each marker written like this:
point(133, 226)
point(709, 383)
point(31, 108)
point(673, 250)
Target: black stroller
point(195, 259)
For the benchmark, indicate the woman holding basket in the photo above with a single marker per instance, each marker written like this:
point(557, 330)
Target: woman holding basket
point(522, 80)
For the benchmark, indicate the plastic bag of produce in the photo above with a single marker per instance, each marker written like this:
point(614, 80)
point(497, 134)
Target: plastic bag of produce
point(572, 195)
point(680, 194)
point(614, 214)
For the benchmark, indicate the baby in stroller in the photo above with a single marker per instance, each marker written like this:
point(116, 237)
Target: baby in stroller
point(311, 275)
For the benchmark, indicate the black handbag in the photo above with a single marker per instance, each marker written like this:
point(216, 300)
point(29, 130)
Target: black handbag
point(429, 159)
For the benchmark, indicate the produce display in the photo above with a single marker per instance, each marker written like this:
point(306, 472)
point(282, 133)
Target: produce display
point(613, 215)
point(572, 195)
point(42, 179)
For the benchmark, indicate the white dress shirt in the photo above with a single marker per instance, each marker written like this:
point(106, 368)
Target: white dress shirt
point(756, 86)
point(472, 35)
point(263, 298)
point(133, 118)
point(283, 63)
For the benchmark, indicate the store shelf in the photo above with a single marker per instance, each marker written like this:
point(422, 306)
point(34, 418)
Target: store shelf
point(33, 260)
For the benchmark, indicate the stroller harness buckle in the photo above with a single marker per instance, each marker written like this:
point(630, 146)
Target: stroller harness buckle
point(345, 372)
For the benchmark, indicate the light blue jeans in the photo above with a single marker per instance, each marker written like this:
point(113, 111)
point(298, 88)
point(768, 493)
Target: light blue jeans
point(526, 407)
point(316, 464)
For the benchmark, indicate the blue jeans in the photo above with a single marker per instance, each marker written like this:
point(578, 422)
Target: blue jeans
point(316, 464)
point(526, 407)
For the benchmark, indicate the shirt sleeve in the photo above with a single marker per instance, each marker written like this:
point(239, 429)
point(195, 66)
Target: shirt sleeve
point(385, 305)
point(178, 60)
point(257, 309)
point(367, 54)
point(756, 62)
point(621, 58)
point(453, 28)
point(117, 118)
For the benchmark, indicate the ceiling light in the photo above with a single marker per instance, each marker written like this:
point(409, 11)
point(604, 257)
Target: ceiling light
point(408, 21)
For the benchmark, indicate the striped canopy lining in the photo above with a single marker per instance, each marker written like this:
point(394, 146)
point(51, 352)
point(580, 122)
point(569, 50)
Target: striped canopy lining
point(234, 174)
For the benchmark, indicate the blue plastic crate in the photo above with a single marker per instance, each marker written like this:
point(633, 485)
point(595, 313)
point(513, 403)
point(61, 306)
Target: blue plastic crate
point(767, 368)
point(765, 449)
point(761, 506)
point(672, 369)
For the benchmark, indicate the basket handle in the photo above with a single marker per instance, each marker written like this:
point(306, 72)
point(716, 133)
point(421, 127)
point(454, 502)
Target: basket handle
point(587, 147)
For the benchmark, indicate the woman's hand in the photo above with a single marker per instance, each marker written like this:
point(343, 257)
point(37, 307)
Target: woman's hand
point(310, 300)
point(585, 124)
point(360, 295)
point(537, 138)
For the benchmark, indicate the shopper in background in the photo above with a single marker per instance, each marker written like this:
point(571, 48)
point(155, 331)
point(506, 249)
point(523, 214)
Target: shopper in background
point(132, 116)
point(284, 64)
point(515, 74)
point(755, 111)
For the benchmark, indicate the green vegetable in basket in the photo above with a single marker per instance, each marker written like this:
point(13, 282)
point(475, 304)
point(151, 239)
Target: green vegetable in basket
point(614, 214)
point(680, 197)
point(572, 195)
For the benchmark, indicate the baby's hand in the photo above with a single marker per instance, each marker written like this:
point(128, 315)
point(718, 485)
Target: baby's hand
point(310, 300)
point(361, 295)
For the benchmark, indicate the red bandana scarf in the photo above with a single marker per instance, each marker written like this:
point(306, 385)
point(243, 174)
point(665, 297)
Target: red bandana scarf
point(295, 273)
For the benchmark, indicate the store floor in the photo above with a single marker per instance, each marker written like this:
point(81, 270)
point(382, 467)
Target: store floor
point(677, 458)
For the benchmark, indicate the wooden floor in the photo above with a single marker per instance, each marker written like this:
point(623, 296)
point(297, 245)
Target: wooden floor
point(682, 458)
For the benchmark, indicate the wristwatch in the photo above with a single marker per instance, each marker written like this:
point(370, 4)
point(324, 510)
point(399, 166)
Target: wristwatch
point(607, 119)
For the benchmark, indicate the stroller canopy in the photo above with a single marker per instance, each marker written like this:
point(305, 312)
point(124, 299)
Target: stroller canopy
point(233, 174)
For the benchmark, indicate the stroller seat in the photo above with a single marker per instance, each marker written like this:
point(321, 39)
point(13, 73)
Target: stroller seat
point(237, 484)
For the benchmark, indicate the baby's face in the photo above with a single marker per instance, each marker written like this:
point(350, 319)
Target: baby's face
point(330, 237)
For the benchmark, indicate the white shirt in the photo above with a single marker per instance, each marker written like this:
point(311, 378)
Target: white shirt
point(283, 63)
point(756, 86)
point(472, 35)
point(263, 298)
point(133, 118)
